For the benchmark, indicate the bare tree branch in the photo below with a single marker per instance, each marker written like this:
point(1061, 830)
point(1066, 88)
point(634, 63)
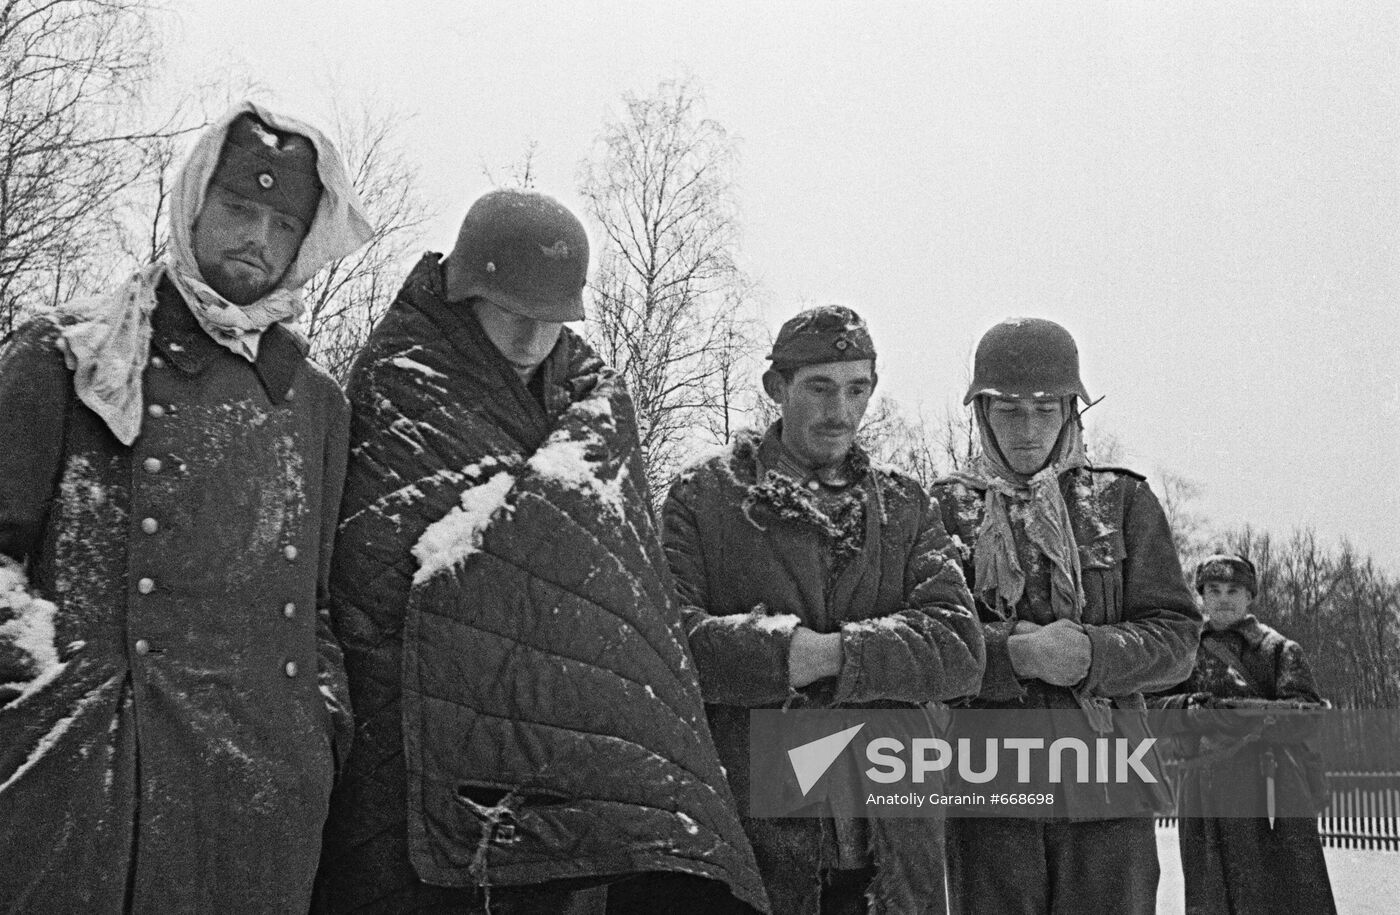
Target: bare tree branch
point(668, 301)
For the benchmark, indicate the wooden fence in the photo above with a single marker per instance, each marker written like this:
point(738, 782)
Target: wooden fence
point(1363, 811)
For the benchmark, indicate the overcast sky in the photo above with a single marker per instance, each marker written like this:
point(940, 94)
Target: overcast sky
point(1204, 194)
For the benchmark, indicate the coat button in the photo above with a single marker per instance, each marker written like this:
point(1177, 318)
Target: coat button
point(143, 646)
point(290, 552)
point(157, 362)
point(156, 410)
point(151, 465)
point(291, 394)
point(146, 585)
point(289, 611)
point(149, 525)
point(291, 668)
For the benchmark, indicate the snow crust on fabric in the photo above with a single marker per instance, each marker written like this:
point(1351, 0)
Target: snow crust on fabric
point(527, 708)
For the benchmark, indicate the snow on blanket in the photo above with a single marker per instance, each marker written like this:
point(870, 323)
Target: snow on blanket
point(27, 623)
point(458, 534)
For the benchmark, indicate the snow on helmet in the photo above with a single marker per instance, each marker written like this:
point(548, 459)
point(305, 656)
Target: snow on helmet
point(523, 251)
point(1026, 358)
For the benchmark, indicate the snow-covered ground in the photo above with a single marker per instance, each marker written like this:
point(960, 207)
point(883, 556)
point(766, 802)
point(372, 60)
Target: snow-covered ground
point(1363, 882)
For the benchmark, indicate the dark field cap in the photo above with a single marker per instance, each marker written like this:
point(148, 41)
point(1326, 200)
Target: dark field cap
point(827, 333)
point(276, 168)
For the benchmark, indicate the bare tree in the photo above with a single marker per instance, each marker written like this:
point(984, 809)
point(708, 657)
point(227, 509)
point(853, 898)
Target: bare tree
point(348, 297)
point(519, 174)
point(668, 300)
point(1343, 610)
point(71, 77)
point(1189, 531)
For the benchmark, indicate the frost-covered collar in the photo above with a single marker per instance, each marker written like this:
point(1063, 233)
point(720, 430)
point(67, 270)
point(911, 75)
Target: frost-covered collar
point(840, 514)
point(773, 454)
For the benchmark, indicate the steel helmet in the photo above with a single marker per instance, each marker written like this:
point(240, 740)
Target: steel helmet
point(523, 251)
point(1026, 358)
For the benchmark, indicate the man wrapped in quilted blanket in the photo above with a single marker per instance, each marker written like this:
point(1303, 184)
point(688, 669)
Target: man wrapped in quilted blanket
point(529, 722)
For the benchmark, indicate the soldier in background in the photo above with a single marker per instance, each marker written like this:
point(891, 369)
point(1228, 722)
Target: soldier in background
point(1250, 787)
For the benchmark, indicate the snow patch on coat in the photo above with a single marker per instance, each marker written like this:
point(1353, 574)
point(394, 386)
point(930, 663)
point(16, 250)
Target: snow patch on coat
point(55, 734)
point(410, 365)
point(567, 461)
point(28, 625)
point(453, 538)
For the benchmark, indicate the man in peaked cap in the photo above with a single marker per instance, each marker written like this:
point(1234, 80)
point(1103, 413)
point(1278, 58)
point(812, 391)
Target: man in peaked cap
point(784, 548)
point(172, 701)
point(530, 732)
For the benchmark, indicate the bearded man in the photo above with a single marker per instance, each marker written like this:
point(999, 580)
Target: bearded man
point(170, 470)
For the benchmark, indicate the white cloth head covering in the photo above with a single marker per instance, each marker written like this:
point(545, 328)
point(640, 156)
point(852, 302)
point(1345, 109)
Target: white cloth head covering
point(1000, 578)
point(107, 338)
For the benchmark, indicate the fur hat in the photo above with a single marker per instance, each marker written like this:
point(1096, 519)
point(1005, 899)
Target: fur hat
point(1230, 568)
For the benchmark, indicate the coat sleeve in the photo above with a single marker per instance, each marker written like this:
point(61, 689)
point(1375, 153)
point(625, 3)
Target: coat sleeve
point(35, 388)
point(34, 394)
point(932, 647)
point(1293, 681)
point(330, 659)
point(742, 659)
point(1153, 647)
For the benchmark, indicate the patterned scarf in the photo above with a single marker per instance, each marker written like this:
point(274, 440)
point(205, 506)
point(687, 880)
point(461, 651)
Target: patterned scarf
point(1036, 500)
point(106, 339)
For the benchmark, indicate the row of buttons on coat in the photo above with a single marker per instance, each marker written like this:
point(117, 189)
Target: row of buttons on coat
point(143, 647)
point(151, 526)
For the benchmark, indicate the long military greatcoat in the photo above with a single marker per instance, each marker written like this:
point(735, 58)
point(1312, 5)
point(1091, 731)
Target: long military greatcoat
point(181, 759)
point(1237, 864)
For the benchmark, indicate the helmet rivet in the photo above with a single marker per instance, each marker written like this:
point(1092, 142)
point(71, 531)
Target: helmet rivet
point(842, 343)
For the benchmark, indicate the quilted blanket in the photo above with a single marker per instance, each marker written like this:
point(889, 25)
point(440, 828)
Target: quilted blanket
point(513, 640)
